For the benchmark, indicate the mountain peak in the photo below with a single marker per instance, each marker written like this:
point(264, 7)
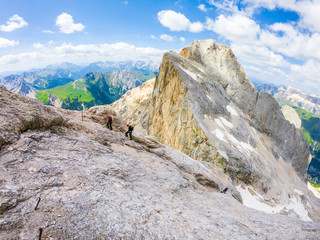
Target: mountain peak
point(203, 104)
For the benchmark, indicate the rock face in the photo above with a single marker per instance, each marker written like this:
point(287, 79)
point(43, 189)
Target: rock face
point(75, 179)
point(25, 89)
point(295, 97)
point(291, 115)
point(124, 80)
point(203, 104)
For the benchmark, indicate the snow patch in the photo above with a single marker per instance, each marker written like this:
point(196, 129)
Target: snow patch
point(256, 202)
point(298, 208)
point(226, 122)
point(222, 122)
point(232, 111)
point(191, 74)
point(31, 94)
point(218, 121)
point(219, 134)
point(241, 146)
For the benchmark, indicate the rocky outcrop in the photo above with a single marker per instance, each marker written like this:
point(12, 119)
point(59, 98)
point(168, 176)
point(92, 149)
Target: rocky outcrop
point(124, 80)
point(19, 114)
point(71, 178)
point(203, 104)
point(291, 115)
point(293, 96)
point(54, 101)
point(25, 89)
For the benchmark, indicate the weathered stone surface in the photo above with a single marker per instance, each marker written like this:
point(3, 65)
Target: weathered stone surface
point(291, 115)
point(18, 114)
point(94, 183)
point(293, 96)
point(203, 104)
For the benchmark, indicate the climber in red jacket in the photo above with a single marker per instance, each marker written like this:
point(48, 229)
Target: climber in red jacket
point(109, 122)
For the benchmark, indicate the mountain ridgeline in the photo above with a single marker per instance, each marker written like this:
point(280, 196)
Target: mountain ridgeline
point(203, 104)
point(308, 108)
point(93, 89)
point(28, 83)
point(200, 126)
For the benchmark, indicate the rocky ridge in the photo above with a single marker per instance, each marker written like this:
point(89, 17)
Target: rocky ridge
point(64, 178)
point(292, 96)
point(202, 104)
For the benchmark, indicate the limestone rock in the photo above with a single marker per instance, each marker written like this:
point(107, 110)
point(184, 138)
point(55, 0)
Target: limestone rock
point(291, 115)
point(76, 179)
point(203, 104)
point(293, 96)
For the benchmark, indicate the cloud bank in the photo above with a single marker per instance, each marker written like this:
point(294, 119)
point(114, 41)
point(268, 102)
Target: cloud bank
point(78, 54)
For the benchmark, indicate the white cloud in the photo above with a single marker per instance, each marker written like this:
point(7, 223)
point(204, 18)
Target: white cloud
point(258, 55)
point(310, 17)
point(7, 43)
point(13, 23)
point(182, 39)
point(167, 37)
point(237, 28)
point(126, 2)
point(225, 5)
point(153, 37)
point(38, 45)
point(285, 39)
point(79, 54)
point(66, 24)
point(307, 74)
point(308, 10)
point(48, 31)
point(196, 27)
point(202, 7)
point(178, 22)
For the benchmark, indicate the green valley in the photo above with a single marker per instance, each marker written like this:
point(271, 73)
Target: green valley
point(93, 89)
point(310, 126)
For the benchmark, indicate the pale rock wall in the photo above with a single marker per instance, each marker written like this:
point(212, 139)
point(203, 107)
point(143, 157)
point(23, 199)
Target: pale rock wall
point(204, 105)
point(291, 115)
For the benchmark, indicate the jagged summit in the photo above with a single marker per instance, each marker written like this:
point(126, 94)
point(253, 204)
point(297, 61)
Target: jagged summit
point(202, 104)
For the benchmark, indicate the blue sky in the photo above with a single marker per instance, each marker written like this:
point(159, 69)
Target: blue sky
point(276, 41)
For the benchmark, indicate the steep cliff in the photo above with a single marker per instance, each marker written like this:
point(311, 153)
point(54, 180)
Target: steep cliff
point(203, 104)
point(292, 96)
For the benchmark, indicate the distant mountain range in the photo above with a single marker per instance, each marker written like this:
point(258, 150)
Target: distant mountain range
point(93, 89)
point(308, 108)
point(292, 96)
point(59, 74)
point(146, 67)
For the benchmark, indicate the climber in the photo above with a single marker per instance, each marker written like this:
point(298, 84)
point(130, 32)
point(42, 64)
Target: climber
point(224, 190)
point(109, 122)
point(130, 129)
